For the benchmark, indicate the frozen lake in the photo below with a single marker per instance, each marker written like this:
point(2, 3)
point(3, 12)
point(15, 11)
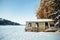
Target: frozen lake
point(18, 33)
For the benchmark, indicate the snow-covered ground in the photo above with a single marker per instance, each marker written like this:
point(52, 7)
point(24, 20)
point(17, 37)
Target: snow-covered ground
point(18, 33)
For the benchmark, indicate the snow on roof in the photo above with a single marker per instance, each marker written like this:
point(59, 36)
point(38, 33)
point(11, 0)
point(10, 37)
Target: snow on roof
point(57, 23)
point(58, 16)
point(40, 20)
point(54, 13)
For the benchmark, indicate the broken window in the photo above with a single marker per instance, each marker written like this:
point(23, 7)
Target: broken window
point(51, 25)
point(29, 24)
point(46, 25)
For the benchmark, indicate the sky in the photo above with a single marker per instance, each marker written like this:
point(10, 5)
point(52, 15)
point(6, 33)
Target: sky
point(19, 10)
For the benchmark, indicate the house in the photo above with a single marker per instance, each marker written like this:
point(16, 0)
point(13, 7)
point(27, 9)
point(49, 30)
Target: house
point(40, 25)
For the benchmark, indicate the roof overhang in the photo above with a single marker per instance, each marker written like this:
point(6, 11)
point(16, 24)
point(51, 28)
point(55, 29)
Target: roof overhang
point(40, 20)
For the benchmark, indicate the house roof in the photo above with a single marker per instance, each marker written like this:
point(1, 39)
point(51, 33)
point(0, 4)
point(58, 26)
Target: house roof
point(40, 20)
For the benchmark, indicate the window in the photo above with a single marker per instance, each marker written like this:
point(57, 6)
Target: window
point(46, 24)
point(29, 24)
point(37, 25)
point(51, 25)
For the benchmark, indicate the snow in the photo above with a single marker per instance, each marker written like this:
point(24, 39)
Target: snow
point(40, 20)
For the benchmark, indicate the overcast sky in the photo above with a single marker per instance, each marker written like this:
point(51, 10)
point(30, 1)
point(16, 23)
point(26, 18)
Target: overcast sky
point(19, 10)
